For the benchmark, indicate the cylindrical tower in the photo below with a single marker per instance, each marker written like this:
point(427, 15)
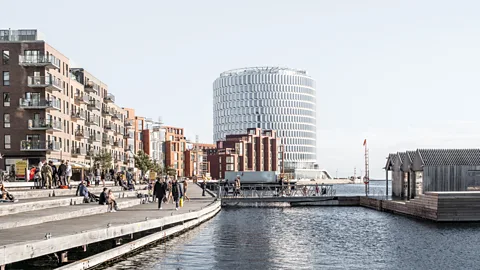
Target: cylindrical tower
point(275, 98)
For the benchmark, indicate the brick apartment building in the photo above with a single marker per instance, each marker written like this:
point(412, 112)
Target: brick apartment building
point(256, 150)
point(175, 146)
point(51, 110)
point(196, 162)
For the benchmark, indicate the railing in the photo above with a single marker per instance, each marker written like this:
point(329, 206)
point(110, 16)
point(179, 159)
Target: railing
point(94, 138)
point(79, 151)
point(107, 111)
point(91, 153)
point(92, 121)
point(128, 123)
point(38, 60)
point(40, 103)
point(43, 81)
point(109, 98)
point(91, 87)
point(82, 99)
point(27, 145)
point(79, 115)
point(275, 190)
point(94, 104)
point(48, 124)
point(80, 133)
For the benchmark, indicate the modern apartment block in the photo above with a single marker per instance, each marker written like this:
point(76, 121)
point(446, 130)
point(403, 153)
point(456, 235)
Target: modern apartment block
point(175, 146)
point(52, 110)
point(256, 150)
point(196, 162)
point(153, 138)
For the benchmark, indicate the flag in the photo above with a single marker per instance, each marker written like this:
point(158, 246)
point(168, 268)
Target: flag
point(365, 142)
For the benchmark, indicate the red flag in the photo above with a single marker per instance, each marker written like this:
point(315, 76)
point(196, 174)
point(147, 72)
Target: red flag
point(365, 142)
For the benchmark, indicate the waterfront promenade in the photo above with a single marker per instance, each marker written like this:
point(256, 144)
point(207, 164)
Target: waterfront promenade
point(90, 225)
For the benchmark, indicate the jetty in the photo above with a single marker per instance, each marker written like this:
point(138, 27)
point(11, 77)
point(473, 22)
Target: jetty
point(54, 228)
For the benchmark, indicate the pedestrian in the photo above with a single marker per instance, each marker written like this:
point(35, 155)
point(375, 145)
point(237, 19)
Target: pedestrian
point(103, 197)
point(169, 190)
point(159, 191)
point(68, 173)
point(5, 196)
point(237, 186)
point(225, 187)
point(112, 204)
point(204, 186)
point(61, 172)
point(40, 166)
point(112, 176)
point(98, 176)
point(185, 186)
point(317, 189)
point(47, 175)
point(54, 173)
point(176, 193)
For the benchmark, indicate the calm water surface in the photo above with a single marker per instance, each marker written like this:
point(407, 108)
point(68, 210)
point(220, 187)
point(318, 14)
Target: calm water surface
point(315, 238)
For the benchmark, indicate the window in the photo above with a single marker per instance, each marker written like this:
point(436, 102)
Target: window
point(7, 143)
point(6, 120)
point(6, 78)
point(5, 57)
point(6, 99)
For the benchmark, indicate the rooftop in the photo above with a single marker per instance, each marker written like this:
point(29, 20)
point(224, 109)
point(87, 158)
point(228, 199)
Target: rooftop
point(263, 70)
point(21, 35)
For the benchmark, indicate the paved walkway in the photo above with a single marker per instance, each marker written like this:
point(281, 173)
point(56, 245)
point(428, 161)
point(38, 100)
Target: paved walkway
point(124, 216)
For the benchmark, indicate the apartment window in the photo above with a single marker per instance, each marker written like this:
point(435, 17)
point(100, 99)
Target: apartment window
point(6, 99)
point(6, 120)
point(6, 78)
point(7, 143)
point(5, 57)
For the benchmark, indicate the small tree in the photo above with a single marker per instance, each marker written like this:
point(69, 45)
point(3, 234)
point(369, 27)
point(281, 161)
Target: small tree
point(156, 167)
point(104, 158)
point(143, 162)
point(170, 171)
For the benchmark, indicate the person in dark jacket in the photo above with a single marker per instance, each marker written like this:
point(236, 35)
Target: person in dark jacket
point(54, 173)
point(62, 169)
point(103, 197)
point(176, 192)
point(82, 190)
point(159, 191)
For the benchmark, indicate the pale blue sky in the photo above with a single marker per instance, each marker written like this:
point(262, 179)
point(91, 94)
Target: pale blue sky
point(403, 74)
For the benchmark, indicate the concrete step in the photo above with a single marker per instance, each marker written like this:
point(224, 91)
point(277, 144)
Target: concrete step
point(51, 202)
point(61, 213)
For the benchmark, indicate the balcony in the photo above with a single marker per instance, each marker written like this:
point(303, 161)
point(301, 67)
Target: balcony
point(116, 116)
point(94, 138)
point(94, 104)
point(81, 99)
point(91, 121)
point(91, 153)
point(106, 142)
point(79, 115)
point(39, 104)
point(109, 98)
point(91, 87)
point(39, 61)
point(80, 134)
point(106, 111)
point(33, 146)
point(127, 136)
point(79, 151)
point(47, 82)
point(107, 128)
point(49, 125)
point(117, 144)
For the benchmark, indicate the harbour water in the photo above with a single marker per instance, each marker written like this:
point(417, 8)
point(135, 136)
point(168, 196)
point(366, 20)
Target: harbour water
point(315, 238)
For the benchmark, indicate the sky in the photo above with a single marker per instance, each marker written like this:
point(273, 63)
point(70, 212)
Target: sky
point(401, 74)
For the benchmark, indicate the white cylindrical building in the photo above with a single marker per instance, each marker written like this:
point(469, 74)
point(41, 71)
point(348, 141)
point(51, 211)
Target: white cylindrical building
point(275, 98)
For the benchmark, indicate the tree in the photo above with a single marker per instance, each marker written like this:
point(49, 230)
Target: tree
point(156, 167)
point(104, 158)
point(170, 171)
point(143, 162)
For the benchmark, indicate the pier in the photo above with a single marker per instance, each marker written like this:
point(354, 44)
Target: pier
point(41, 226)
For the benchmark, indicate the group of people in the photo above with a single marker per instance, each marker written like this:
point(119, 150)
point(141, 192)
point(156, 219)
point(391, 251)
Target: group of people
point(236, 187)
point(105, 198)
point(170, 190)
point(123, 179)
point(47, 175)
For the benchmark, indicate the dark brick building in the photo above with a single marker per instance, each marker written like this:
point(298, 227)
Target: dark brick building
point(256, 150)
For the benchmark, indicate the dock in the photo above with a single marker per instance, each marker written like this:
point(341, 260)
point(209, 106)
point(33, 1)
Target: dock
point(63, 227)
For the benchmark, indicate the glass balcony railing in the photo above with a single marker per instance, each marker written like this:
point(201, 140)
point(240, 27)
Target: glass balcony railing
point(94, 104)
point(36, 104)
point(39, 61)
point(110, 98)
point(82, 99)
point(44, 125)
point(79, 151)
point(48, 82)
point(79, 115)
point(29, 145)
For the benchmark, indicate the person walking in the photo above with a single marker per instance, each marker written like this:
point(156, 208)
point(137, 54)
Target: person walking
point(176, 193)
point(47, 175)
point(68, 172)
point(237, 186)
point(185, 186)
point(203, 185)
point(98, 174)
point(226, 185)
point(159, 192)
point(54, 174)
point(61, 172)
